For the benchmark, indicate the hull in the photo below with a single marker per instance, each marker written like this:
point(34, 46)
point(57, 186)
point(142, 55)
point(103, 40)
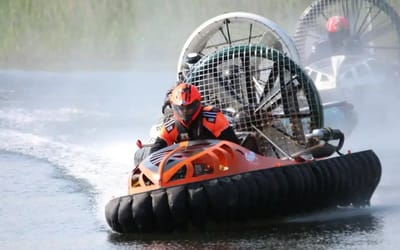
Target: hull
point(266, 194)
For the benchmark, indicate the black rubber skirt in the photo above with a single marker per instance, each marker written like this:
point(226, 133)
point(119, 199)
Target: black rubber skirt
point(348, 180)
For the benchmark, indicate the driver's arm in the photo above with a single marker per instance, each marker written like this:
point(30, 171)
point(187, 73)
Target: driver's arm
point(229, 135)
point(158, 144)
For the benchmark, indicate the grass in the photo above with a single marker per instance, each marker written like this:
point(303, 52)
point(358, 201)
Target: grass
point(90, 34)
point(39, 32)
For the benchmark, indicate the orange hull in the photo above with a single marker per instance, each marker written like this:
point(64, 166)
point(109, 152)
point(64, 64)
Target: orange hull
point(197, 187)
point(197, 161)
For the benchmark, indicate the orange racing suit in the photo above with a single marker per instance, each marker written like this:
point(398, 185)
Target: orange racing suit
point(209, 124)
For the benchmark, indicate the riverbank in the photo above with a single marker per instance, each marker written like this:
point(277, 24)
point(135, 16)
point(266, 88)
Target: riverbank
point(93, 35)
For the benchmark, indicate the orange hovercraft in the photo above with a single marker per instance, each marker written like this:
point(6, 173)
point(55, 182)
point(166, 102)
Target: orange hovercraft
point(284, 165)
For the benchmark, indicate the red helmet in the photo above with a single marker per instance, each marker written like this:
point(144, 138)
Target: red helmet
point(336, 23)
point(186, 102)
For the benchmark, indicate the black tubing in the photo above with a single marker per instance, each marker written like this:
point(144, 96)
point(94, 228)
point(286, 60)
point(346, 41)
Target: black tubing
point(244, 198)
point(232, 198)
point(197, 205)
point(340, 181)
point(125, 216)
point(161, 210)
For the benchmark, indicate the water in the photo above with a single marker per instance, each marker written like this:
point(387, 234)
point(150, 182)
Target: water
point(66, 147)
point(67, 142)
point(42, 207)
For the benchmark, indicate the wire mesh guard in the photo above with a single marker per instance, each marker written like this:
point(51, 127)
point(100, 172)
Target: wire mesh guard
point(232, 29)
point(262, 92)
point(373, 30)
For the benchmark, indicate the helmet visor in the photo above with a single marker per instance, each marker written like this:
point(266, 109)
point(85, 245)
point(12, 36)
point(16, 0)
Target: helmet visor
point(186, 112)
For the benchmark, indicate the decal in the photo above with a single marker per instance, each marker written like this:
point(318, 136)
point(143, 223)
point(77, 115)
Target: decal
point(210, 116)
point(250, 156)
point(170, 128)
point(169, 125)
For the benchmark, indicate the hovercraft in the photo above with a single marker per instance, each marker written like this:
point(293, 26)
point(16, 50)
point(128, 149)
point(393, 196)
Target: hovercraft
point(285, 163)
point(367, 59)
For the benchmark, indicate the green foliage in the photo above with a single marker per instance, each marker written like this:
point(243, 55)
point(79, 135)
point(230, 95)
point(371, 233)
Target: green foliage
point(78, 34)
point(39, 31)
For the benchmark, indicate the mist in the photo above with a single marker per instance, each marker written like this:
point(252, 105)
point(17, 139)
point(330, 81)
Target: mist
point(146, 37)
point(81, 81)
point(122, 35)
